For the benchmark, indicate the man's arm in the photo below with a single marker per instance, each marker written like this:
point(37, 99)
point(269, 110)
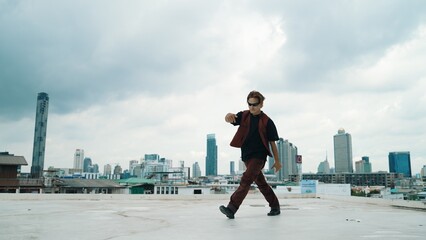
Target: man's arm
point(230, 117)
point(277, 162)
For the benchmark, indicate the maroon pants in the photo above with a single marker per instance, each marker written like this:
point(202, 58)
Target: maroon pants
point(252, 174)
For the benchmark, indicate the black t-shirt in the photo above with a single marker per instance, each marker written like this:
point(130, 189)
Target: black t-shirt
point(253, 146)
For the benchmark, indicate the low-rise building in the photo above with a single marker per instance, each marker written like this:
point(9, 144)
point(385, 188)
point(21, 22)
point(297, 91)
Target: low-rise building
point(10, 181)
point(357, 179)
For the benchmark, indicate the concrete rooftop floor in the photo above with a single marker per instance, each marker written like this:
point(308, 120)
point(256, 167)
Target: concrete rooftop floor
point(190, 217)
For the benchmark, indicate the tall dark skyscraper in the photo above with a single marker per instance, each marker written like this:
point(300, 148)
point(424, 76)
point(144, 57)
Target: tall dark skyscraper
point(400, 162)
point(40, 135)
point(211, 158)
point(343, 152)
point(232, 168)
point(87, 165)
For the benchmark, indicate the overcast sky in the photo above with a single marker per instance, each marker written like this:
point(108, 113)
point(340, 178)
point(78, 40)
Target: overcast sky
point(128, 78)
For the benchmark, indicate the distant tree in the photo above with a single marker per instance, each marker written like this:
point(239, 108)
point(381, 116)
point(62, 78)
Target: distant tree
point(358, 193)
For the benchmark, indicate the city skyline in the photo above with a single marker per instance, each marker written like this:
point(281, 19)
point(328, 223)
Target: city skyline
point(211, 142)
point(141, 77)
point(284, 148)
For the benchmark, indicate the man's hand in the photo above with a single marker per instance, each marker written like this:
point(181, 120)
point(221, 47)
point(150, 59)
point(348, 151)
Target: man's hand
point(230, 117)
point(277, 166)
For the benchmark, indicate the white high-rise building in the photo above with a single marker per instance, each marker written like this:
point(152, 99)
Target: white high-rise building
point(423, 171)
point(79, 159)
point(196, 170)
point(343, 152)
point(287, 153)
point(241, 167)
point(363, 165)
point(132, 165)
point(107, 170)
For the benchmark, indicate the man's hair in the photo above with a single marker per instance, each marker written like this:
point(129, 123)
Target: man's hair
point(256, 94)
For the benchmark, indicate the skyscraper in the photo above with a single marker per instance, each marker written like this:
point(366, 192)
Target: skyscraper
point(367, 164)
point(287, 153)
point(40, 130)
point(423, 171)
point(400, 162)
point(107, 170)
point(324, 167)
point(241, 167)
point(343, 152)
point(363, 166)
point(95, 168)
point(211, 158)
point(118, 170)
point(87, 165)
point(196, 171)
point(78, 159)
point(232, 168)
point(132, 166)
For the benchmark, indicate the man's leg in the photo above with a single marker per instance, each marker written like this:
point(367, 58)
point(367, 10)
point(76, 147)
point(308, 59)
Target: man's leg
point(267, 191)
point(254, 168)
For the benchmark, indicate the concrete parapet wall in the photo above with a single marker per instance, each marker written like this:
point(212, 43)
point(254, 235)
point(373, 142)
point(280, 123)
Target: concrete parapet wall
point(30, 196)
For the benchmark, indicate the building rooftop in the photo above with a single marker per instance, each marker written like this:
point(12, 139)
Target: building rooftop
point(120, 217)
point(9, 159)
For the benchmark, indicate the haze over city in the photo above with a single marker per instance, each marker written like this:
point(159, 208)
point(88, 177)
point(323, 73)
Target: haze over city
point(130, 78)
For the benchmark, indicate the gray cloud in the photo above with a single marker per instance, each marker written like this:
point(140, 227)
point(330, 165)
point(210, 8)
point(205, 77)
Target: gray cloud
point(126, 78)
point(325, 38)
point(81, 54)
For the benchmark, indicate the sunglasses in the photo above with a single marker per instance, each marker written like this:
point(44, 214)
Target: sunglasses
point(253, 104)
